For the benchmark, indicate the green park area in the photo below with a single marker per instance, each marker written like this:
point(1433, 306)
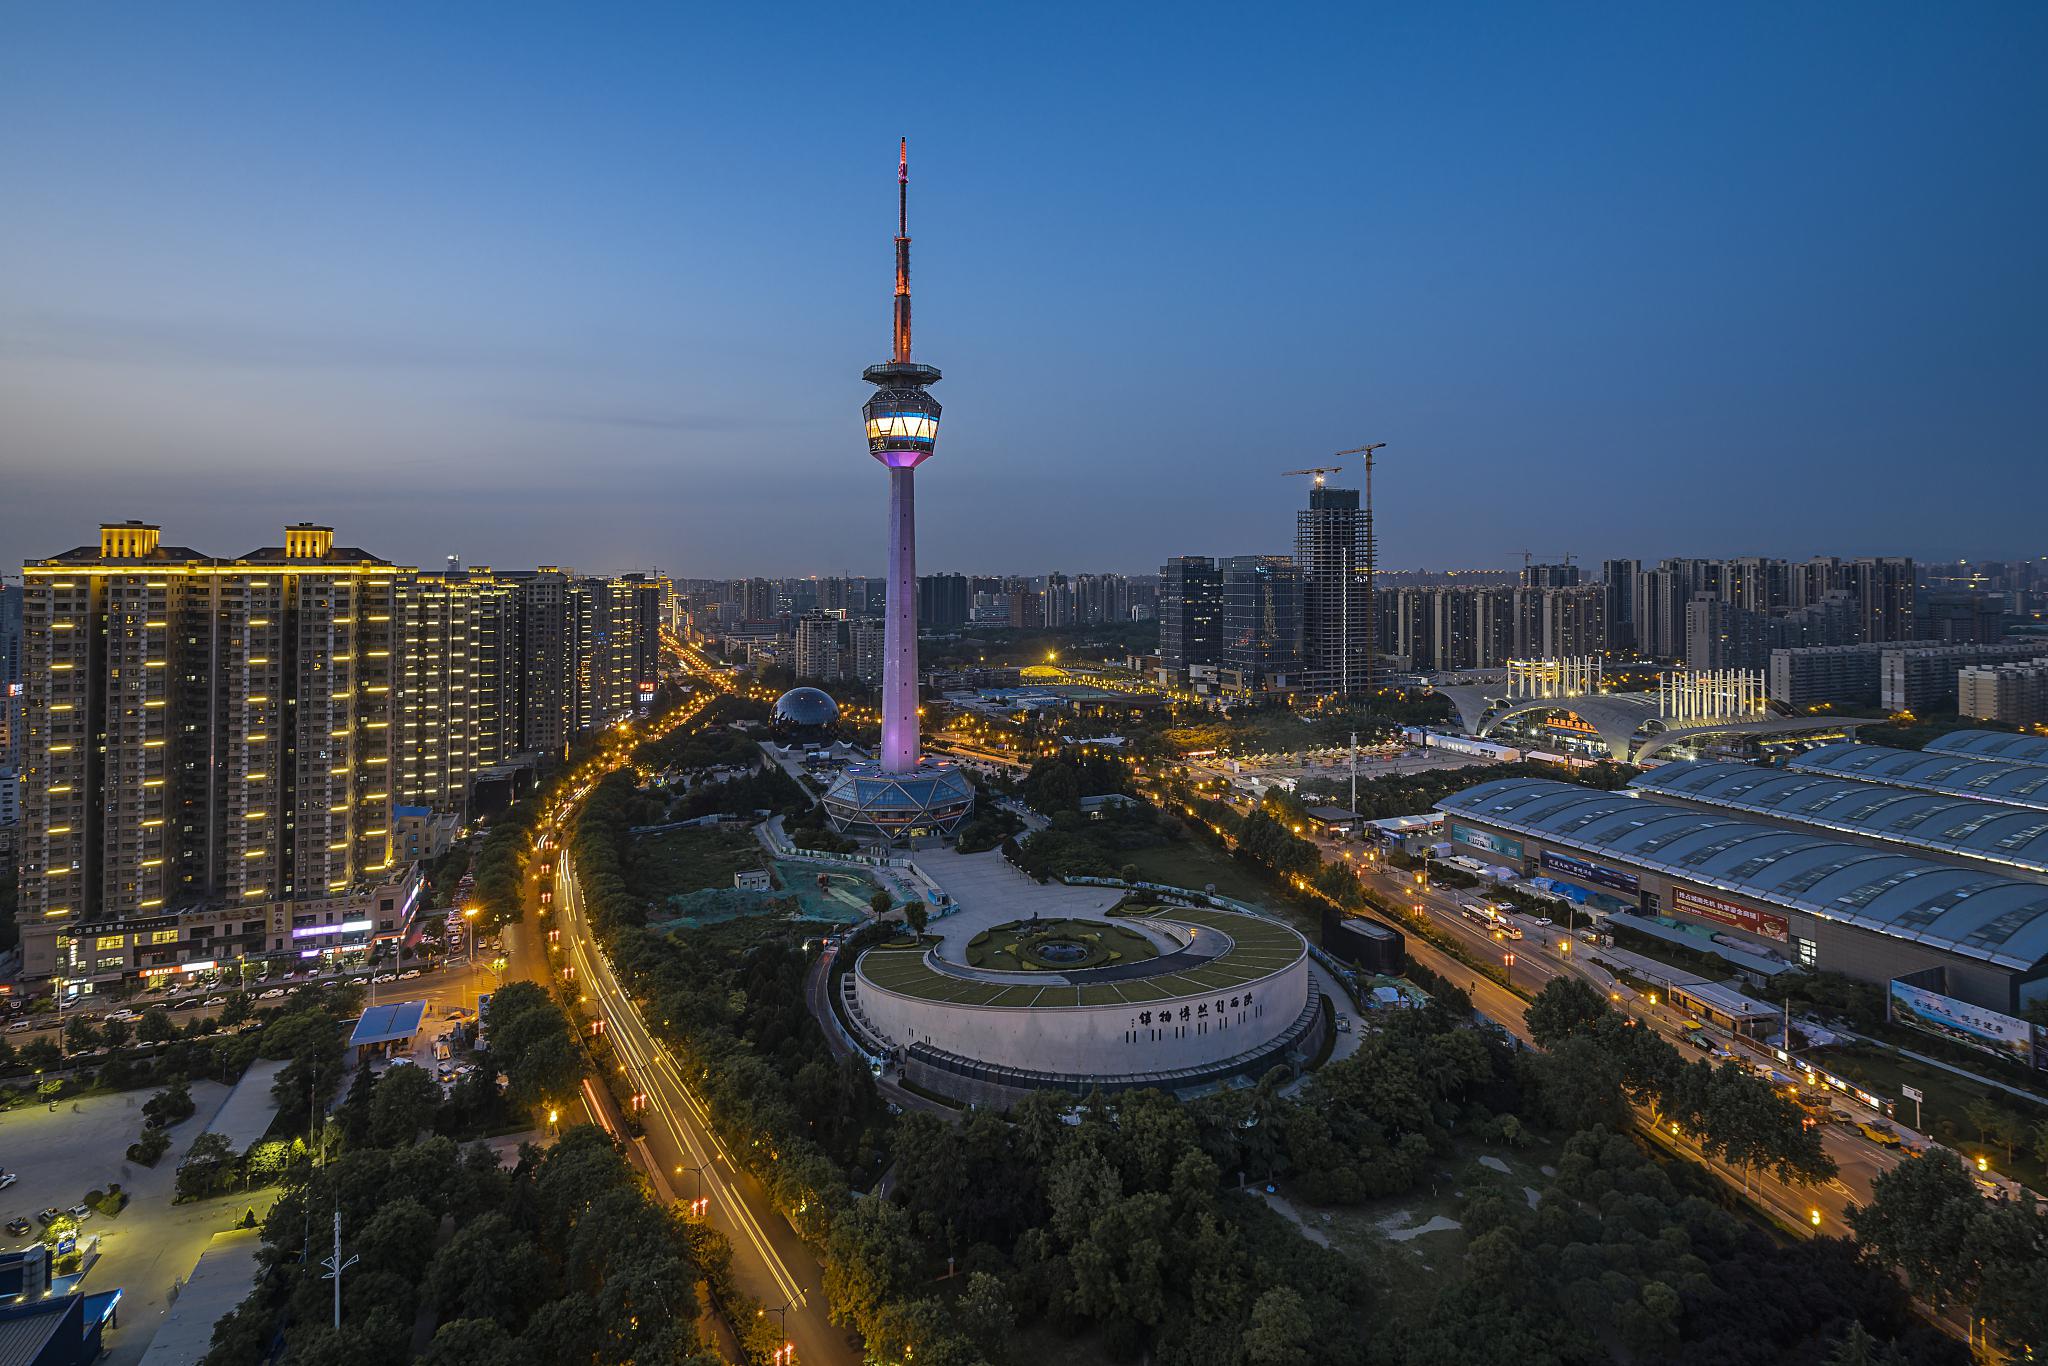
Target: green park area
point(677, 862)
point(1056, 946)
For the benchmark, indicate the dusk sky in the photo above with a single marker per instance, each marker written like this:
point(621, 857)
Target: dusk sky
point(594, 285)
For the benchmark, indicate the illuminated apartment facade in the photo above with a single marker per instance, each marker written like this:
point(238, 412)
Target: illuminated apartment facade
point(207, 756)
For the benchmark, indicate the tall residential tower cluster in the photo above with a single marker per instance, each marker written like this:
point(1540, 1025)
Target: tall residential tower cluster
point(216, 753)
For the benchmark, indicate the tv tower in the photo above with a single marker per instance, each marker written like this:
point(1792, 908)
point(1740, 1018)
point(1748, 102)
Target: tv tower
point(902, 793)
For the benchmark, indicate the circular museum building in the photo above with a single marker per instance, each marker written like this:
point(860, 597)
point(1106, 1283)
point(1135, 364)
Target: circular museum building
point(1145, 995)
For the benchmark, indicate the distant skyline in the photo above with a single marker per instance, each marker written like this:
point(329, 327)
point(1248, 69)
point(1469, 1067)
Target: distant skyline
point(524, 286)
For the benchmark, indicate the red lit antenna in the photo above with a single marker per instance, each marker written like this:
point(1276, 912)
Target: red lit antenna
point(902, 347)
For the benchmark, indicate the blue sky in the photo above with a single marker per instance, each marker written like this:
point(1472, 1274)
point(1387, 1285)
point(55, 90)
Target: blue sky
point(595, 284)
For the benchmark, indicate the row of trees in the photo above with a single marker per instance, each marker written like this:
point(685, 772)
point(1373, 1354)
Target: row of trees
point(1927, 1217)
point(1733, 1114)
point(562, 1258)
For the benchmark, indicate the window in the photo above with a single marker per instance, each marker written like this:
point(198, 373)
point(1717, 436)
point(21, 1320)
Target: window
point(163, 937)
point(111, 941)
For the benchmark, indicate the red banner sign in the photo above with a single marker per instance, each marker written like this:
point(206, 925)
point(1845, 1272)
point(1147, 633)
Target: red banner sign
point(1731, 913)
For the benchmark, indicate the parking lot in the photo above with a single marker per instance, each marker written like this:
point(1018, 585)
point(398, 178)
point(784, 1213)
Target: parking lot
point(60, 1155)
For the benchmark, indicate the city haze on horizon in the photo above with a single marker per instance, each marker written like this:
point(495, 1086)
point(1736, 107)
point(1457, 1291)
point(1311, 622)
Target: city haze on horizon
point(600, 296)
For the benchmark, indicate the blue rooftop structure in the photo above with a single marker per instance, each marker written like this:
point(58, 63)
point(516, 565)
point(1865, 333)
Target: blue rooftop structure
point(2000, 746)
point(2015, 836)
point(388, 1024)
point(2012, 783)
point(1958, 910)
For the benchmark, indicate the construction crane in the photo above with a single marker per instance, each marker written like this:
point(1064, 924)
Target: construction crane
point(1319, 472)
point(1372, 556)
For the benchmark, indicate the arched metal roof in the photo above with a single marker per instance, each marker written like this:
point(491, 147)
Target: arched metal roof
point(1903, 896)
point(1993, 831)
point(2001, 746)
point(2014, 784)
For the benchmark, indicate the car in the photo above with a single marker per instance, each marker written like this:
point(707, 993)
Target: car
point(189, 1003)
point(1541, 920)
point(1879, 1134)
point(408, 974)
point(17, 1026)
point(123, 1016)
point(216, 1002)
point(1700, 1041)
point(8, 1178)
point(271, 995)
point(19, 1227)
point(49, 1216)
point(1343, 1024)
point(385, 977)
point(80, 1211)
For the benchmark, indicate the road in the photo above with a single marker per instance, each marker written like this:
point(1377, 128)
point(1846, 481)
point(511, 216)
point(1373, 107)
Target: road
point(770, 1262)
point(1545, 954)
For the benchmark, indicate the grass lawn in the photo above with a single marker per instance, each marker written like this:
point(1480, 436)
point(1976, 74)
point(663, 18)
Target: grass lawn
point(1191, 864)
point(678, 861)
point(1948, 1096)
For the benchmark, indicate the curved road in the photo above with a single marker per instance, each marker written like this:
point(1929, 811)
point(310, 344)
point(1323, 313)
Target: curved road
point(770, 1262)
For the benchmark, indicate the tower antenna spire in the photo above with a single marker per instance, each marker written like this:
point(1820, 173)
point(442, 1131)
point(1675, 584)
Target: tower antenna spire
point(902, 347)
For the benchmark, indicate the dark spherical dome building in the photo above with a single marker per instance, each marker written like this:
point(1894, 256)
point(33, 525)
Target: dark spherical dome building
point(804, 716)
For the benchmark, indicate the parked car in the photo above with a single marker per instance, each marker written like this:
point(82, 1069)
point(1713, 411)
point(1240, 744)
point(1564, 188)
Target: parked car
point(49, 1216)
point(81, 1211)
point(189, 1003)
point(216, 1002)
point(19, 1025)
point(408, 974)
point(8, 1178)
point(19, 1227)
point(385, 977)
point(272, 994)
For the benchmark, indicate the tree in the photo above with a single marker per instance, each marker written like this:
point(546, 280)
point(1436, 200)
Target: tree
point(236, 1010)
point(1565, 1006)
point(169, 1106)
point(475, 1342)
point(80, 1035)
point(984, 1314)
point(155, 1026)
point(1859, 1348)
point(1919, 1220)
point(41, 1055)
point(204, 1166)
point(150, 1148)
point(1280, 1332)
point(404, 1103)
point(915, 914)
point(881, 901)
point(116, 1033)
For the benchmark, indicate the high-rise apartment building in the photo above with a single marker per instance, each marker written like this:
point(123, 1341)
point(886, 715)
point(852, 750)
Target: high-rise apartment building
point(1190, 612)
point(1618, 578)
point(213, 749)
point(1337, 626)
point(201, 733)
point(11, 715)
point(2015, 693)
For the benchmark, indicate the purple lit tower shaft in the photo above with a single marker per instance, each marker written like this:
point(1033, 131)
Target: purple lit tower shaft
point(899, 641)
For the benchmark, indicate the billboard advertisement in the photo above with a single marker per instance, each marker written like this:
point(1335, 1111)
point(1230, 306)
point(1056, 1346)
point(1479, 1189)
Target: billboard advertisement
point(1732, 913)
point(1590, 872)
point(1960, 1022)
point(1487, 840)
